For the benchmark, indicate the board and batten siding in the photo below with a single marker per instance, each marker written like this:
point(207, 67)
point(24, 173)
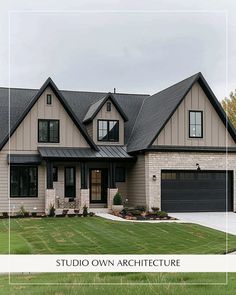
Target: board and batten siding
point(176, 131)
point(25, 138)
point(25, 141)
point(103, 114)
point(136, 183)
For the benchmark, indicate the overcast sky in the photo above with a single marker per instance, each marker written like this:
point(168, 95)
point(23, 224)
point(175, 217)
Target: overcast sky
point(117, 46)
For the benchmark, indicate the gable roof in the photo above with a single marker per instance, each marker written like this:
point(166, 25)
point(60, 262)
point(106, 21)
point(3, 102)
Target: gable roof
point(52, 85)
point(96, 107)
point(158, 109)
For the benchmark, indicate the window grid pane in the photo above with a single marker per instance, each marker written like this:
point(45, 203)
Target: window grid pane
point(195, 124)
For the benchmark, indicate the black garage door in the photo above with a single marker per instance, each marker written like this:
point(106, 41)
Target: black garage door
point(189, 191)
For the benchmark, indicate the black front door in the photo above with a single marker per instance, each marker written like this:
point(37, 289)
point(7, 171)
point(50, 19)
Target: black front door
point(98, 185)
point(70, 182)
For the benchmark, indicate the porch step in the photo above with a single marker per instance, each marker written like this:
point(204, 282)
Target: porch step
point(98, 205)
point(99, 210)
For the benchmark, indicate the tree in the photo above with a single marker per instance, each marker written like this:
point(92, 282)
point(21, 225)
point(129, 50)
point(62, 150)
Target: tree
point(229, 105)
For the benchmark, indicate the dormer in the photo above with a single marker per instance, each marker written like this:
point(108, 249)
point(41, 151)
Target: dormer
point(105, 121)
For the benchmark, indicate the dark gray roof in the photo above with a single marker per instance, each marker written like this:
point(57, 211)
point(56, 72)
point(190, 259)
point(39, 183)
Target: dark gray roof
point(23, 159)
point(104, 152)
point(92, 109)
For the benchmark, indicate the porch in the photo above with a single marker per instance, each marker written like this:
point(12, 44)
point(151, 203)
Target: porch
point(75, 177)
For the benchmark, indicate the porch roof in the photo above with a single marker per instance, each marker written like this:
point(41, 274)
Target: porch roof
point(24, 159)
point(104, 152)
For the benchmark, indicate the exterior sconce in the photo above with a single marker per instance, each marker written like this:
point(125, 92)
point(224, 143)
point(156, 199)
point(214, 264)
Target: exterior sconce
point(198, 167)
point(154, 178)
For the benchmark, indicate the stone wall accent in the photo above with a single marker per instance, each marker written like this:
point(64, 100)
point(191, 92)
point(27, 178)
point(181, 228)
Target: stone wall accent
point(110, 195)
point(84, 198)
point(50, 199)
point(157, 161)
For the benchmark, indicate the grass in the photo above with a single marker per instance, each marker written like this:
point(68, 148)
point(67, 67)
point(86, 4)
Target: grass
point(94, 235)
point(131, 283)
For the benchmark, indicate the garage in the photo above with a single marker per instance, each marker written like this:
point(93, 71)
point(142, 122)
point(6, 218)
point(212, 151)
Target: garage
point(196, 191)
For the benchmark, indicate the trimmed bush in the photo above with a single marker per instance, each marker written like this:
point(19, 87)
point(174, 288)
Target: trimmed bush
point(117, 200)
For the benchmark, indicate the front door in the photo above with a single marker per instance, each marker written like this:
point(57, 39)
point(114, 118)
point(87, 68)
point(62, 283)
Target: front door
point(70, 182)
point(98, 185)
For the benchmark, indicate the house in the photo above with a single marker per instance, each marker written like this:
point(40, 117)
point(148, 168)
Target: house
point(71, 148)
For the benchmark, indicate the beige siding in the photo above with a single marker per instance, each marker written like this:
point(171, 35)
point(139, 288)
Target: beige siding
point(112, 115)
point(25, 138)
point(136, 183)
point(89, 128)
point(176, 131)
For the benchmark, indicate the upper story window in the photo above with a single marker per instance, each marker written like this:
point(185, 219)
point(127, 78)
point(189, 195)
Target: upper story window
point(195, 124)
point(108, 106)
point(49, 99)
point(108, 130)
point(48, 131)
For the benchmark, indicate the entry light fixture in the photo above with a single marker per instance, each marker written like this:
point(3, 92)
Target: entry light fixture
point(154, 178)
point(198, 167)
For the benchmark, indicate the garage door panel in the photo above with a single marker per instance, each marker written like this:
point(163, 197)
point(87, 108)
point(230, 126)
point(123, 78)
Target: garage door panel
point(183, 191)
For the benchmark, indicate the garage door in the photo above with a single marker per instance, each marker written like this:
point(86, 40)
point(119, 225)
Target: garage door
point(189, 191)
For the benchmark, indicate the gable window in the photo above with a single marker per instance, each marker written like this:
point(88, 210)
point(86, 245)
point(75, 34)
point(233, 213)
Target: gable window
point(120, 174)
point(24, 181)
point(48, 131)
point(108, 130)
point(108, 106)
point(195, 124)
point(49, 99)
point(55, 174)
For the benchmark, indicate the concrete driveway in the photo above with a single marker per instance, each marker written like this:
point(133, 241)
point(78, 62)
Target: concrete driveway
point(225, 222)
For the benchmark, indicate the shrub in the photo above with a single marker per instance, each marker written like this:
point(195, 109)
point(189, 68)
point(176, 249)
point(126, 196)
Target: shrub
point(51, 211)
point(85, 211)
point(141, 208)
point(91, 214)
point(5, 214)
point(162, 214)
point(22, 212)
point(155, 209)
point(117, 200)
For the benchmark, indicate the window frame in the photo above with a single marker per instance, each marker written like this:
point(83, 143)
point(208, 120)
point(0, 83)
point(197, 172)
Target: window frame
point(108, 121)
point(48, 130)
point(24, 166)
point(123, 174)
point(189, 124)
point(49, 99)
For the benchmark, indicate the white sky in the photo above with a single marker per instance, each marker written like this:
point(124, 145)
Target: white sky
point(136, 52)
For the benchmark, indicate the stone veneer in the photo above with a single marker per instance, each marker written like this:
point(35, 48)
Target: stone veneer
point(157, 161)
point(50, 199)
point(84, 198)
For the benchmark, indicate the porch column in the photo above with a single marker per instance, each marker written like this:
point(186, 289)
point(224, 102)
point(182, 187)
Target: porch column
point(49, 165)
point(84, 175)
point(112, 174)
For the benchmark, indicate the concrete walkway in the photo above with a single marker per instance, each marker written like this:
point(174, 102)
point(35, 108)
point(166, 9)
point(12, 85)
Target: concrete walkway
point(223, 221)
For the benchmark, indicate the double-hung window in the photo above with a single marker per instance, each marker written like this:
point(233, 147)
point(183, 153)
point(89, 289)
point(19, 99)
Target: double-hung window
point(48, 131)
point(108, 130)
point(195, 124)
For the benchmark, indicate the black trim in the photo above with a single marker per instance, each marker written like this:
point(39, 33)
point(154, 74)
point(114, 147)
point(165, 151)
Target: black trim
point(120, 174)
point(108, 127)
point(55, 173)
point(110, 97)
point(23, 166)
point(189, 124)
point(195, 149)
point(49, 166)
point(24, 159)
point(214, 101)
point(50, 83)
point(48, 140)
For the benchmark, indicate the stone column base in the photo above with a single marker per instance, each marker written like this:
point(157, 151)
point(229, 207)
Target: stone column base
point(110, 195)
point(50, 199)
point(84, 198)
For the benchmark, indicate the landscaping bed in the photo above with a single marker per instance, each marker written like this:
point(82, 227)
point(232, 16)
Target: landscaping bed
point(140, 213)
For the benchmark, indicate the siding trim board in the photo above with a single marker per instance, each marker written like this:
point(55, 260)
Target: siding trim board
point(195, 149)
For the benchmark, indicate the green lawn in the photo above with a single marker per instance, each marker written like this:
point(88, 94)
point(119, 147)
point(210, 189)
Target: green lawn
point(131, 283)
point(94, 235)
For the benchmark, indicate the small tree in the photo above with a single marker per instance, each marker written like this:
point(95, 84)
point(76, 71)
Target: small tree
point(117, 200)
point(229, 105)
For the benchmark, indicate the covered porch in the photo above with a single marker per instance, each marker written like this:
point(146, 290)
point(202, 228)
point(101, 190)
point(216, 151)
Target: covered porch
point(78, 177)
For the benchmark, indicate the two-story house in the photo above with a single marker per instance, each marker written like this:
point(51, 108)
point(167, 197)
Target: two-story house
point(174, 150)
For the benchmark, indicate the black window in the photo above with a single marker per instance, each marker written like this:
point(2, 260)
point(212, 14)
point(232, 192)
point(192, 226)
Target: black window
point(24, 181)
point(120, 174)
point(195, 124)
point(48, 131)
point(55, 174)
point(49, 99)
point(108, 106)
point(108, 130)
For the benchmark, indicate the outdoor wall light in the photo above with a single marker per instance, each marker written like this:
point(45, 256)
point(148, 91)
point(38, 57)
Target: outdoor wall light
point(198, 167)
point(154, 178)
